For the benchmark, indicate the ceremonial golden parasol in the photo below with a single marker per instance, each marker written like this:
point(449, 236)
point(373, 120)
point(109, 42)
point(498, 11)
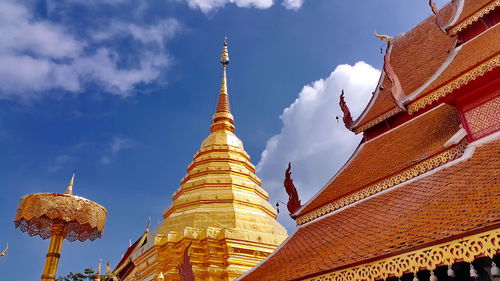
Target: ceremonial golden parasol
point(58, 217)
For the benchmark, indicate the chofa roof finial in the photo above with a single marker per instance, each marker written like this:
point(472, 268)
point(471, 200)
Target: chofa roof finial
point(382, 37)
point(347, 118)
point(293, 203)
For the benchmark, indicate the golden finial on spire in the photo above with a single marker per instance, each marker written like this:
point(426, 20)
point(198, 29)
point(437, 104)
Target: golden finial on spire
point(69, 190)
point(108, 268)
point(160, 277)
point(223, 120)
point(224, 60)
point(224, 57)
point(97, 276)
point(382, 37)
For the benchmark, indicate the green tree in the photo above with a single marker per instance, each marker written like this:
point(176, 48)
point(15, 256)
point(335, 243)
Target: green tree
point(88, 274)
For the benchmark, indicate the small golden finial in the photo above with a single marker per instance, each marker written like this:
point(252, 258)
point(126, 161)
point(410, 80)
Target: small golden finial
point(160, 276)
point(69, 190)
point(223, 120)
point(2, 254)
point(108, 268)
point(224, 58)
point(97, 276)
point(382, 37)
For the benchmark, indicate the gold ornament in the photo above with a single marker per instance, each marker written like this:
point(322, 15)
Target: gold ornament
point(58, 217)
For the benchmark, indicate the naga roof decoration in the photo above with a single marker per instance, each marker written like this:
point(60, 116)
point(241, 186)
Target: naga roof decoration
point(347, 117)
point(293, 203)
point(396, 89)
point(435, 11)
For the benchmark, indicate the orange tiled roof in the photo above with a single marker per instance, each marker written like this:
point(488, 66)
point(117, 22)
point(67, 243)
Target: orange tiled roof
point(416, 55)
point(390, 153)
point(443, 205)
point(468, 58)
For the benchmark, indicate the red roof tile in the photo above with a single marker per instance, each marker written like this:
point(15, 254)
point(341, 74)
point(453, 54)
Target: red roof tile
point(468, 58)
point(390, 153)
point(442, 205)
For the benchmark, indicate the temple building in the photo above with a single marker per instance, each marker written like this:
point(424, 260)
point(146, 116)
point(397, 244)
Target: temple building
point(220, 221)
point(419, 199)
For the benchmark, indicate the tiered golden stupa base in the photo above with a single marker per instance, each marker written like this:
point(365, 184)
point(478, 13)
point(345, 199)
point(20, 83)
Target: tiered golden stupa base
point(215, 253)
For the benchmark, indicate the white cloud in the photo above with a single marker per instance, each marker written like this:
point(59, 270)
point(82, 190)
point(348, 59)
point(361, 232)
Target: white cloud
point(118, 144)
point(293, 4)
point(208, 6)
point(59, 162)
point(155, 34)
point(36, 56)
point(311, 138)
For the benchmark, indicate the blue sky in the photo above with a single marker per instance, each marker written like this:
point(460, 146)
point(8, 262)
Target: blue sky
point(123, 92)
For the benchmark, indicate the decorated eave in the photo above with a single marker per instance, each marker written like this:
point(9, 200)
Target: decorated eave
point(440, 64)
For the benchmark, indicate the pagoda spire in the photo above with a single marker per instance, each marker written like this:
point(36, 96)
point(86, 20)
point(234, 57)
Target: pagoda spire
point(98, 274)
point(223, 119)
point(69, 190)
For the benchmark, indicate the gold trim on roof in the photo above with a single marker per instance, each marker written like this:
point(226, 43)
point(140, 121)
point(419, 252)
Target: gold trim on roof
point(455, 84)
point(475, 17)
point(466, 249)
point(414, 171)
point(377, 120)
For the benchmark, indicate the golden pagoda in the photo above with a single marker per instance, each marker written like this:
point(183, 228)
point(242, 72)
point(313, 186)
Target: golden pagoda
point(220, 212)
